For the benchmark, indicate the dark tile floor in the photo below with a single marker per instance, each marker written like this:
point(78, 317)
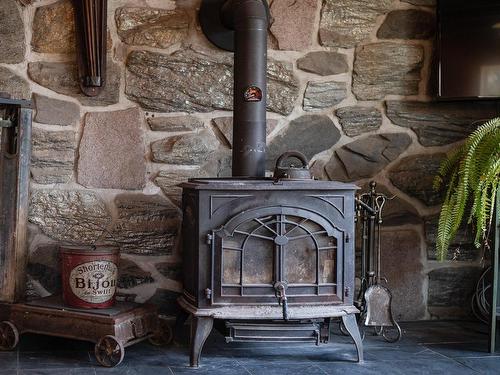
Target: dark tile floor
point(426, 348)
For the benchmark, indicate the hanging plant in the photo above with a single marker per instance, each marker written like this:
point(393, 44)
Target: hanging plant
point(472, 173)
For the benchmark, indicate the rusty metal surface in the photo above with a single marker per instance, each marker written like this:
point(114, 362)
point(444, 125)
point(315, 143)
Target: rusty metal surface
point(56, 303)
point(15, 154)
point(129, 323)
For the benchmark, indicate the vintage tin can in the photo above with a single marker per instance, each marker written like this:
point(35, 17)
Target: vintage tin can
point(90, 276)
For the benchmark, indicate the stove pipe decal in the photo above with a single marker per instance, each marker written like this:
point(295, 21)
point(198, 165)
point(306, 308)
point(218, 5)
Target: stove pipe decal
point(241, 25)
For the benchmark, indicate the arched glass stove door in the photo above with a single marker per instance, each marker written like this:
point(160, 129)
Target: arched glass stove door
point(260, 247)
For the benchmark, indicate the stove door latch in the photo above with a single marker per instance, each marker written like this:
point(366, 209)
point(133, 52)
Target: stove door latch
point(280, 287)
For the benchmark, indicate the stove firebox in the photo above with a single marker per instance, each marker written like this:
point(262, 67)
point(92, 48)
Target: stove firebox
point(269, 260)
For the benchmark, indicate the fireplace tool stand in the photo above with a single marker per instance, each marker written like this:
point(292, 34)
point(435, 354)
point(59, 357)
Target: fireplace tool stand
point(374, 299)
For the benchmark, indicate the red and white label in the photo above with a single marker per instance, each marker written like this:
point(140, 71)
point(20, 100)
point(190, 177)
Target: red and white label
point(94, 282)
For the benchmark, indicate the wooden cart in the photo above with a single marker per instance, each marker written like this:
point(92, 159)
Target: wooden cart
point(112, 330)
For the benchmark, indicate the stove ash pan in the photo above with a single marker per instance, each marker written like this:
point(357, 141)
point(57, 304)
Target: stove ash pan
point(265, 250)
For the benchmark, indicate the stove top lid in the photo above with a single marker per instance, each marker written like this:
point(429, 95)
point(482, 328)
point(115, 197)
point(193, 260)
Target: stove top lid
point(264, 184)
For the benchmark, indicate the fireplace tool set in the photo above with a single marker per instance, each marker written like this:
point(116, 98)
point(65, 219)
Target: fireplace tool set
point(374, 299)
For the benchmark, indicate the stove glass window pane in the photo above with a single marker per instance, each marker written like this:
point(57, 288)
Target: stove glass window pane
point(258, 261)
point(300, 261)
point(231, 266)
point(301, 250)
point(327, 270)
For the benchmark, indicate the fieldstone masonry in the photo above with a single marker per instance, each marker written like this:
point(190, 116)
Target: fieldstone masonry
point(54, 28)
point(55, 112)
point(112, 150)
point(53, 155)
point(62, 77)
point(348, 86)
point(151, 27)
point(12, 41)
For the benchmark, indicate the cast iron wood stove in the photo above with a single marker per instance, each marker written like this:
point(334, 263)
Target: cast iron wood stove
point(266, 259)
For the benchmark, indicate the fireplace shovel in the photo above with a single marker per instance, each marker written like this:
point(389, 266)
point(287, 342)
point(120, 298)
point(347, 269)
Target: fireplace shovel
point(378, 298)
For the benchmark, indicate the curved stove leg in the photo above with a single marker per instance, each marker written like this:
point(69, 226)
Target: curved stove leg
point(351, 325)
point(201, 327)
point(180, 320)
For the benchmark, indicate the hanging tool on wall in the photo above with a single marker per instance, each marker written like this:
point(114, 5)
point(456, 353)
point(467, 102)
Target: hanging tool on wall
point(91, 36)
point(374, 299)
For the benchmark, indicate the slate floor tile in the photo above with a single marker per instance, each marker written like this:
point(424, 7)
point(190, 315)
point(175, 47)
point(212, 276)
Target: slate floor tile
point(461, 349)
point(443, 331)
point(484, 365)
point(213, 368)
point(426, 348)
point(406, 367)
point(283, 369)
point(62, 371)
point(31, 342)
point(8, 360)
point(169, 357)
point(394, 352)
point(136, 370)
point(54, 359)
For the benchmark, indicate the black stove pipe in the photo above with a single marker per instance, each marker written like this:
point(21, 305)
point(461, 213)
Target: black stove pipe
point(250, 20)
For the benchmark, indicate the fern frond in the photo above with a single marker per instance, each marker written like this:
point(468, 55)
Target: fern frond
point(447, 166)
point(473, 171)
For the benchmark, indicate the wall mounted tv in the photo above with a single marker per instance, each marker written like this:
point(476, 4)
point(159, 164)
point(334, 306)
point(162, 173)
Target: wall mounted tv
point(469, 49)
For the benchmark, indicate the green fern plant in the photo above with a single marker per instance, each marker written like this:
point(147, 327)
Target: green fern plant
point(472, 175)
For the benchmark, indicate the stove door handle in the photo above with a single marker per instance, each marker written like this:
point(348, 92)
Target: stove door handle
point(285, 309)
point(280, 288)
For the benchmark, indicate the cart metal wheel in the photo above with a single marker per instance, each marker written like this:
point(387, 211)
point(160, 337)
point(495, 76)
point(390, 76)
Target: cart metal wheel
point(163, 336)
point(9, 336)
point(109, 351)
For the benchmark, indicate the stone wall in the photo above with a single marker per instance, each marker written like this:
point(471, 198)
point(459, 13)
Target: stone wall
point(349, 85)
